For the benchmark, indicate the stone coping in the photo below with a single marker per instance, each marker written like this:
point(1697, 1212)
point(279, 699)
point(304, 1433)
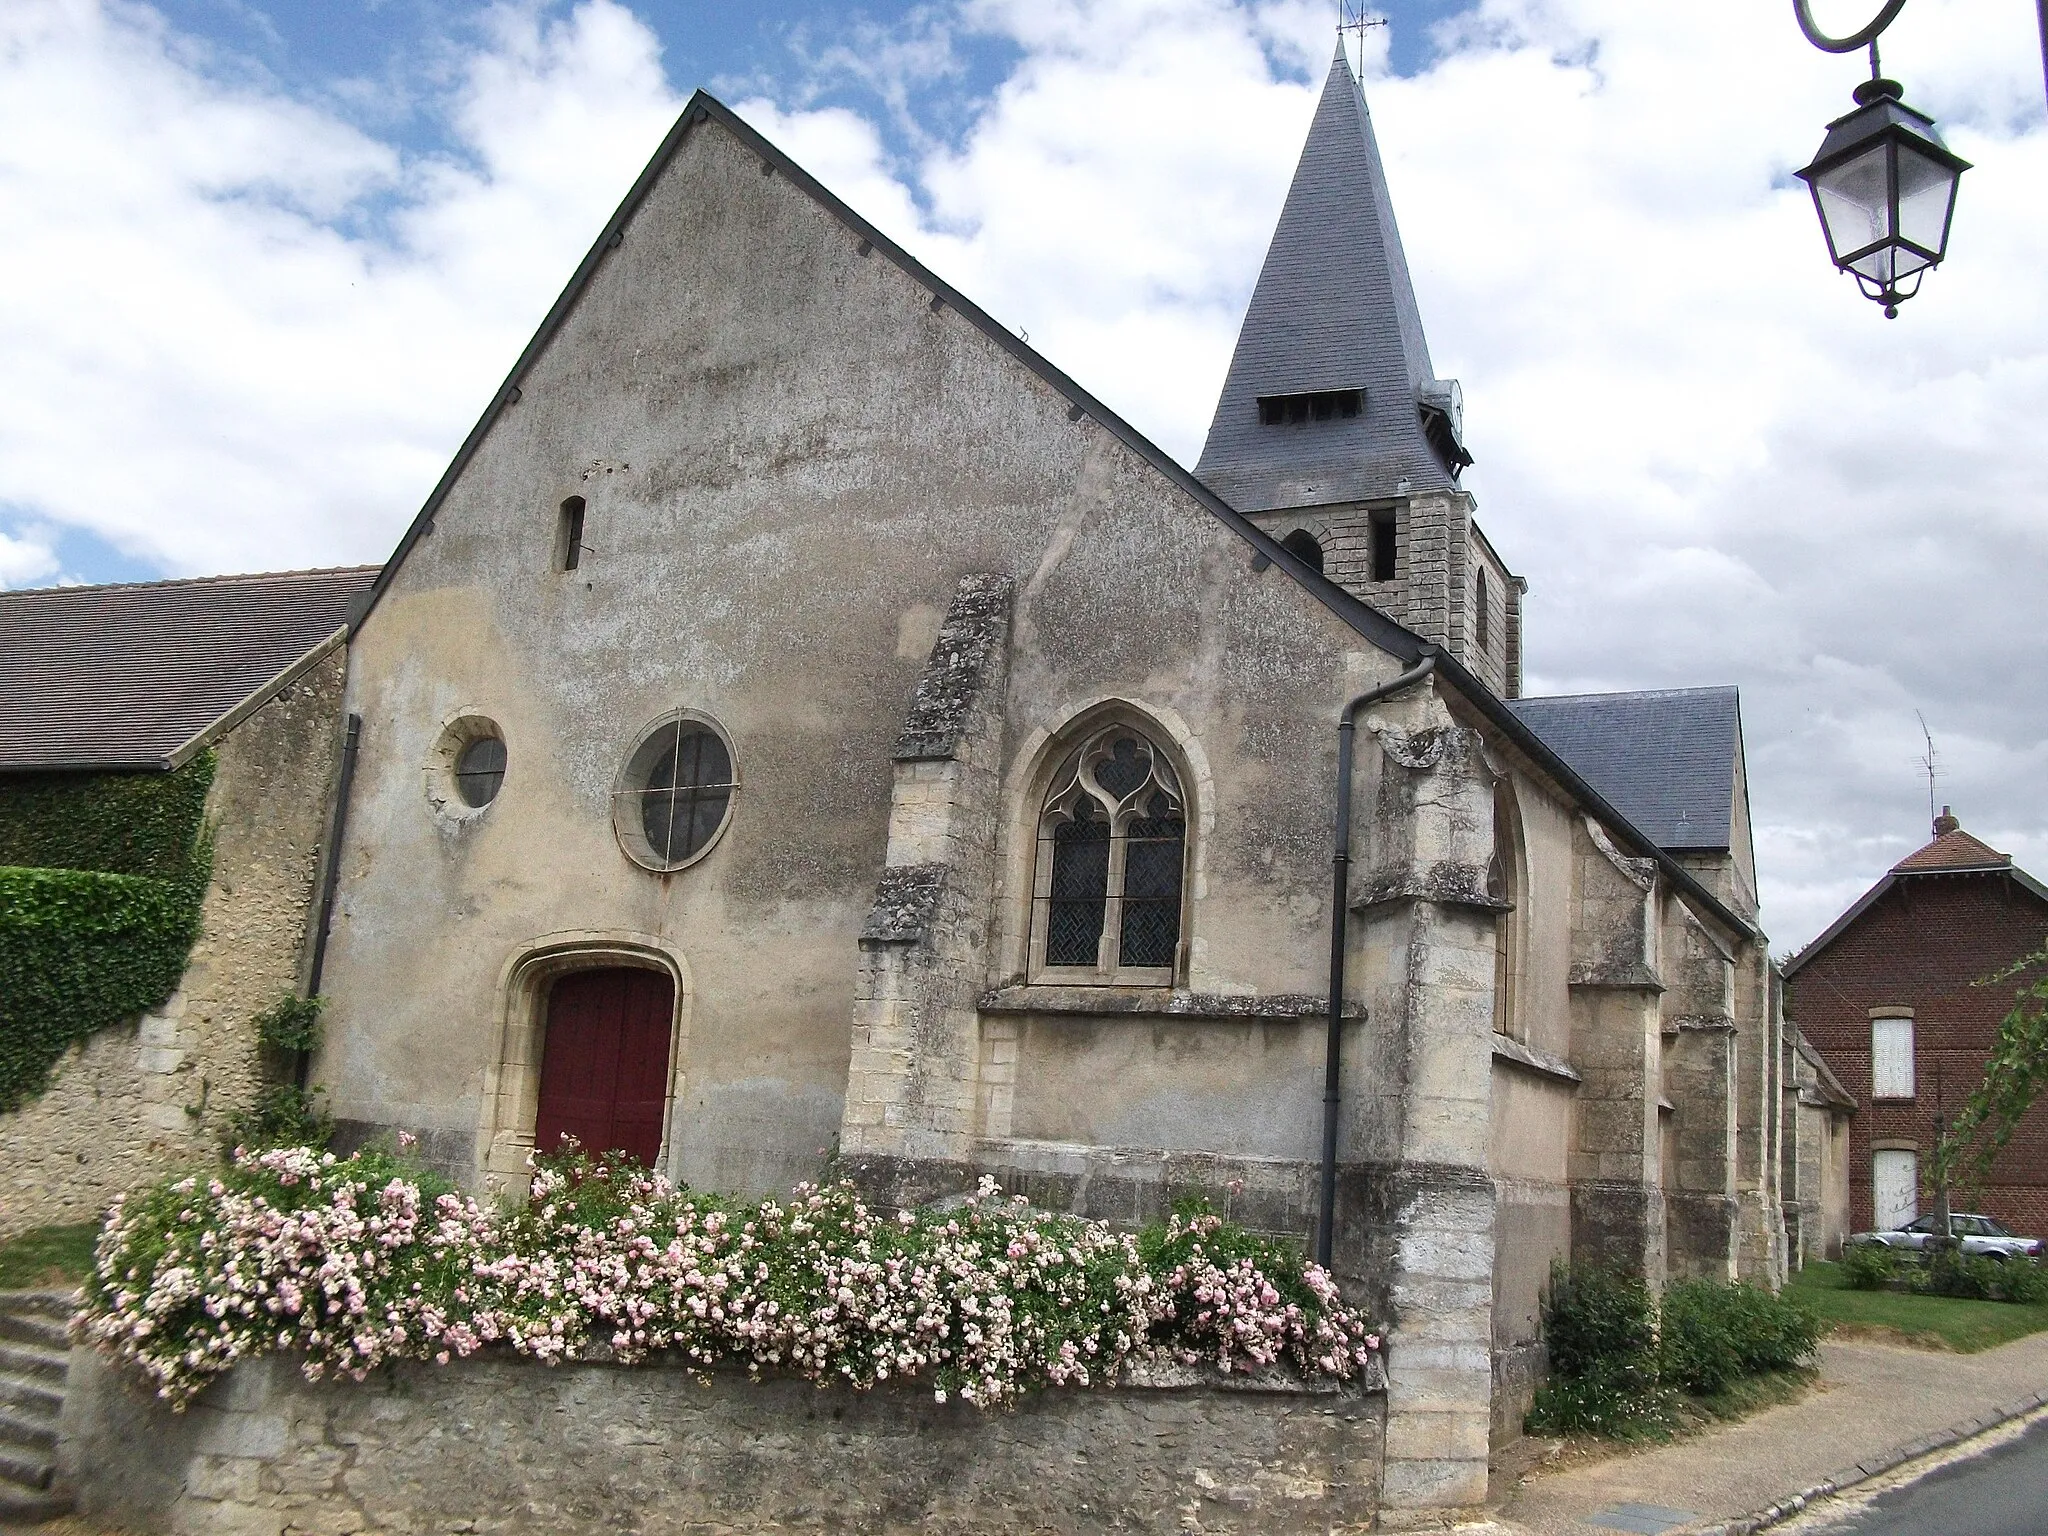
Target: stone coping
point(1505, 1048)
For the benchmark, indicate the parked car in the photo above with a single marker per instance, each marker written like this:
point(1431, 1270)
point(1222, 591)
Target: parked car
point(1976, 1234)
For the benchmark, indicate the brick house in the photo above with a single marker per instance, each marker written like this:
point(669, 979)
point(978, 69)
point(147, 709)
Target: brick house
point(1889, 997)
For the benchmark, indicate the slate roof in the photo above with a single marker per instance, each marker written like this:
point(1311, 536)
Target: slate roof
point(1665, 759)
point(140, 676)
point(1952, 853)
point(1334, 309)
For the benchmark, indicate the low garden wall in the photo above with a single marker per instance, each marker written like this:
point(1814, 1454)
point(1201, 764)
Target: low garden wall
point(502, 1444)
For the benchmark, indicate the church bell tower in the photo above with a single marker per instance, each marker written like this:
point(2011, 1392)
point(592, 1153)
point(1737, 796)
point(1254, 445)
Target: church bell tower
point(1334, 432)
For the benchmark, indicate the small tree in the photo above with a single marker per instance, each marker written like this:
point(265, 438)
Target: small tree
point(2013, 1079)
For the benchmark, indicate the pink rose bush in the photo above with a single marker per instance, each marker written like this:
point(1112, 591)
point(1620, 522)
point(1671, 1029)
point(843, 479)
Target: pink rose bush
point(354, 1263)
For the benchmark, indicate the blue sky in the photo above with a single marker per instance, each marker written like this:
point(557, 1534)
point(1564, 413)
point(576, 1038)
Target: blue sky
point(263, 264)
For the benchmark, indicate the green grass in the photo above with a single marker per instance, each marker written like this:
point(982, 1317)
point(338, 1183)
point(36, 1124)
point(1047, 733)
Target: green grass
point(1751, 1394)
point(47, 1256)
point(1965, 1326)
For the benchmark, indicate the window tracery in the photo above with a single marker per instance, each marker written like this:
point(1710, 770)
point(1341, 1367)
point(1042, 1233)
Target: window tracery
point(1112, 850)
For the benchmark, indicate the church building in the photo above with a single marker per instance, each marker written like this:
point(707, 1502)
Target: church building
point(805, 729)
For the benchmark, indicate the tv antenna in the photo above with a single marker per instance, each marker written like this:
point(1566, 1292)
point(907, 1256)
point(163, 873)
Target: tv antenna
point(1930, 764)
point(1356, 19)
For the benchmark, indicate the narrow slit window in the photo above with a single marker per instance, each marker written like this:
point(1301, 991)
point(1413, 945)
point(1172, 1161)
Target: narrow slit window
point(1481, 603)
point(1383, 546)
point(1305, 547)
point(572, 533)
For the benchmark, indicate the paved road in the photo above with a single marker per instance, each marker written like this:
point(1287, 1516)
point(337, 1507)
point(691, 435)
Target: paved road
point(2002, 1492)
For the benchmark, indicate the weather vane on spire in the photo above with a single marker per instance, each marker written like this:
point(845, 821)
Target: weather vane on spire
point(1357, 19)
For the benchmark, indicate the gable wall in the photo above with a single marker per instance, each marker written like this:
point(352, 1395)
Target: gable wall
point(1922, 945)
point(789, 460)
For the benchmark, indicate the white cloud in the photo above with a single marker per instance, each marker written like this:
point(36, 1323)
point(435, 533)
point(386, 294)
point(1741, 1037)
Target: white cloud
point(27, 556)
point(214, 367)
point(256, 332)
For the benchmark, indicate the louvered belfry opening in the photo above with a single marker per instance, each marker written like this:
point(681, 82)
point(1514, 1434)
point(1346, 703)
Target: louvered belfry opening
point(1112, 847)
point(604, 1068)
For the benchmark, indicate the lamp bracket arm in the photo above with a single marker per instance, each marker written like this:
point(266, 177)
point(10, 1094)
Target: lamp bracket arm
point(1803, 10)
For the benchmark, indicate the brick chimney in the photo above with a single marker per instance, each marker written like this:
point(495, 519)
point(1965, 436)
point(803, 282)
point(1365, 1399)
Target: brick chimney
point(1945, 823)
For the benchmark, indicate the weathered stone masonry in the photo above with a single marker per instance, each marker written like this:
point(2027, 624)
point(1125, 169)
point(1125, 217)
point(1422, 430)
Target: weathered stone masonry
point(578, 1450)
point(137, 1101)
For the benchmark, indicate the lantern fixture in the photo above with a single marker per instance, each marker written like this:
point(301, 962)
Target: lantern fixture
point(1884, 185)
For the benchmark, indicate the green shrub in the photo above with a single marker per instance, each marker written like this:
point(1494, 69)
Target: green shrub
point(2023, 1281)
point(1868, 1266)
point(284, 1115)
point(1714, 1333)
point(1951, 1272)
point(1594, 1316)
point(291, 1024)
point(1601, 1329)
point(1978, 1277)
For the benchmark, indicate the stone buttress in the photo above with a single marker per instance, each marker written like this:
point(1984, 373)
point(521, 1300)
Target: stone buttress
point(912, 1083)
point(1416, 1214)
point(1617, 1039)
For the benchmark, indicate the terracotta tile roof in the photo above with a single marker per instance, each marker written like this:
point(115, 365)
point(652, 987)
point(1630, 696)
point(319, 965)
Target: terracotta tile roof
point(124, 676)
point(1952, 851)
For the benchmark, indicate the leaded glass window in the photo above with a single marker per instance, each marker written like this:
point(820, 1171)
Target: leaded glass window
point(1112, 846)
point(676, 793)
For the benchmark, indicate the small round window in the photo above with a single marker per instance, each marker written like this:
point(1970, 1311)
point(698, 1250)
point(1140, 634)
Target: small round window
point(466, 766)
point(479, 770)
point(676, 794)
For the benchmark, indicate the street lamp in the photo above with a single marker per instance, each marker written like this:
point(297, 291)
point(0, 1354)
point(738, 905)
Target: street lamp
point(1885, 188)
point(1883, 182)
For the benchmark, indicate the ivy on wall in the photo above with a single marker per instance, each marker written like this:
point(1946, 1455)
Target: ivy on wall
point(117, 823)
point(99, 927)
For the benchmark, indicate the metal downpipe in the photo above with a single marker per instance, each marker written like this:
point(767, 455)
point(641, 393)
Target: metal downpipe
point(1340, 932)
point(330, 877)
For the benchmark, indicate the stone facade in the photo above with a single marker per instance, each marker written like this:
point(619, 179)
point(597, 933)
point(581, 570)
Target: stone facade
point(138, 1101)
point(908, 569)
point(578, 1450)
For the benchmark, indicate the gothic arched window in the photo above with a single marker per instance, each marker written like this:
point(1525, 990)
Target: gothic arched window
point(1112, 843)
point(1504, 883)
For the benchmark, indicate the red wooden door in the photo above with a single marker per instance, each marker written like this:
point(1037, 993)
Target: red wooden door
point(604, 1062)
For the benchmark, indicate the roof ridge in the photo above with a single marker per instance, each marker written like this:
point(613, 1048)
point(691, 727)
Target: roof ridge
point(1957, 842)
point(1626, 693)
point(195, 581)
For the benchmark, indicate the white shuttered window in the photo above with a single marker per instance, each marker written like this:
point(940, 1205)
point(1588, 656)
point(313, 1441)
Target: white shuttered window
point(1891, 1058)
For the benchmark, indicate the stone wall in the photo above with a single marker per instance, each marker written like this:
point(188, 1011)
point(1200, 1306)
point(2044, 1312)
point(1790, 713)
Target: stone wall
point(132, 1103)
point(505, 1445)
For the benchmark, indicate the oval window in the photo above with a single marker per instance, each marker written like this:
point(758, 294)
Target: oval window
point(479, 770)
point(676, 794)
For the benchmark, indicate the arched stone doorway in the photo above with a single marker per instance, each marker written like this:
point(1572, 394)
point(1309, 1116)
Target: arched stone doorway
point(512, 1079)
point(604, 1071)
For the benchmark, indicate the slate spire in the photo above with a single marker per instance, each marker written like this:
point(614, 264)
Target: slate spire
point(1334, 311)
